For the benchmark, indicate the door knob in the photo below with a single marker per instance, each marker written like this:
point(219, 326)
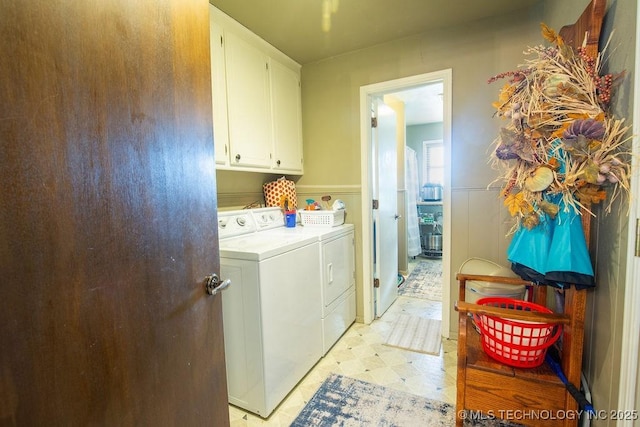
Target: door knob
point(213, 285)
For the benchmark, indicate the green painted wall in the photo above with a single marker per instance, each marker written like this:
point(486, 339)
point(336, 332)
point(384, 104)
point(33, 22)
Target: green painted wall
point(474, 53)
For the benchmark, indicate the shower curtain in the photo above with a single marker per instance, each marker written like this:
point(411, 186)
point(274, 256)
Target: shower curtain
point(413, 189)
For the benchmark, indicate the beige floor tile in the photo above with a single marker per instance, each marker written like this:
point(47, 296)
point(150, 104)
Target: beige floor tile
point(362, 354)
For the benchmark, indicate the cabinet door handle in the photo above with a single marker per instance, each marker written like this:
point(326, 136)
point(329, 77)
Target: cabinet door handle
point(278, 162)
point(237, 157)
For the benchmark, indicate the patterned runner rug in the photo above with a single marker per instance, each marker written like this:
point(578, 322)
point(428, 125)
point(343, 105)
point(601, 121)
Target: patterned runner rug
point(348, 402)
point(425, 281)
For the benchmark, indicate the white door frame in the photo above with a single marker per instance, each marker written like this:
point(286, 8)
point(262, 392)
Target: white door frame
point(366, 92)
point(631, 318)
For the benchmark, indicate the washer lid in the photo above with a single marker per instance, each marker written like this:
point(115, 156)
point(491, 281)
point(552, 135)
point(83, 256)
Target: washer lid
point(261, 246)
point(321, 233)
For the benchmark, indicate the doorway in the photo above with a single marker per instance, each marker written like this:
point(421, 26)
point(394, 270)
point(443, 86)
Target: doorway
point(367, 93)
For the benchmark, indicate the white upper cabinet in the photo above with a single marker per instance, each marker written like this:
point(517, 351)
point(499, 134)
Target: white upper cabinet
point(248, 103)
point(257, 116)
point(287, 118)
point(219, 96)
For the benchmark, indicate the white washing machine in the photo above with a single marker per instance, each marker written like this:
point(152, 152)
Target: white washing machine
point(337, 269)
point(271, 312)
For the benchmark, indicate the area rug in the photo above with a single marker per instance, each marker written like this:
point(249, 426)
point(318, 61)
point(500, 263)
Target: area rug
point(425, 281)
point(416, 334)
point(348, 402)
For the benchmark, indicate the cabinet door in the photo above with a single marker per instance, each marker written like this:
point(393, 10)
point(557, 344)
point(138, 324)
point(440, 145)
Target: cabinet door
point(219, 94)
point(338, 256)
point(248, 102)
point(287, 117)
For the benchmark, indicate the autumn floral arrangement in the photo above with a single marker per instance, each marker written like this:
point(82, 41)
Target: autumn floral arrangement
point(559, 148)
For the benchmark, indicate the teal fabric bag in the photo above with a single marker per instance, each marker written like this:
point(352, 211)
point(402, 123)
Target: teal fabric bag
point(554, 252)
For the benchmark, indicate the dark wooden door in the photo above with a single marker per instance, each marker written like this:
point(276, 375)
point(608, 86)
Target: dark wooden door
point(108, 216)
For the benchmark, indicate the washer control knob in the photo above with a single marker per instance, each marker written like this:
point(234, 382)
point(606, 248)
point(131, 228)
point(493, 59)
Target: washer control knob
point(241, 221)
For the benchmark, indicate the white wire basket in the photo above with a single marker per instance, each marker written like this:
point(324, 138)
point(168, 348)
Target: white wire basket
point(322, 218)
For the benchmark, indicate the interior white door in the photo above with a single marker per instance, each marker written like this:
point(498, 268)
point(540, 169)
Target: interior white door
point(385, 218)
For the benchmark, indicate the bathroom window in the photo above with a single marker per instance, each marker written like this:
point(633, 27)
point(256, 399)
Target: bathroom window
point(433, 162)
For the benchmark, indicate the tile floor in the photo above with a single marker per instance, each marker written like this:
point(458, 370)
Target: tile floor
point(361, 354)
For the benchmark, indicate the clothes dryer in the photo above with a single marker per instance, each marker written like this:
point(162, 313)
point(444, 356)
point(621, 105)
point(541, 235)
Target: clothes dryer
point(337, 269)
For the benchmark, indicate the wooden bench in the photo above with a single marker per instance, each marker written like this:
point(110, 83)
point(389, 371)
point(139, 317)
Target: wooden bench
point(487, 386)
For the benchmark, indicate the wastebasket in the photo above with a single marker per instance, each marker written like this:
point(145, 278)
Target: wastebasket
point(475, 290)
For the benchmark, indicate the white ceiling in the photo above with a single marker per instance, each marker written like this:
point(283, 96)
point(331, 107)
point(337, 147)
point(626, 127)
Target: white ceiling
point(295, 28)
point(422, 104)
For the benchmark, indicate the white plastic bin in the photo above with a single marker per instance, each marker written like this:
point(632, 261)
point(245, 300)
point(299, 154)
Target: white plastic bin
point(322, 218)
point(475, 290)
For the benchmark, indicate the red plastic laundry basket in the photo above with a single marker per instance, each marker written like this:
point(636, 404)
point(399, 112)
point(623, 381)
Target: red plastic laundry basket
point(517, 343)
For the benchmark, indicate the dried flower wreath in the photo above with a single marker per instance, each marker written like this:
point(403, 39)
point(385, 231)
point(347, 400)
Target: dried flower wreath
point(559, 149)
